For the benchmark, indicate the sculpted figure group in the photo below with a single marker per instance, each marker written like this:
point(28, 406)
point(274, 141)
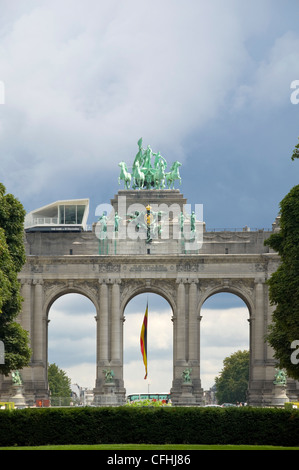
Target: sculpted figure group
point(144, 175)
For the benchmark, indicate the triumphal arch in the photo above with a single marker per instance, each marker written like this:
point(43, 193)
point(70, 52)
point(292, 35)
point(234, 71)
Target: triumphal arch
point(148, 239)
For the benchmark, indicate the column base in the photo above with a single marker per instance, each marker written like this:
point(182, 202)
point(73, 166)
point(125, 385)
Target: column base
point(186, 394)
point(279, 396)
point(110, 395)
point(17, 396)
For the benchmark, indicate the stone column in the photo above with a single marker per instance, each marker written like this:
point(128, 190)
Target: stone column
point(102, 326)
point(193, 324)
point(112, 392)
point(38, 323)
point(26, 307)
point(181, 324)
point(116, 326)
point(39, 345)
point(259, 322)
point(26, 322)
point(258, 392)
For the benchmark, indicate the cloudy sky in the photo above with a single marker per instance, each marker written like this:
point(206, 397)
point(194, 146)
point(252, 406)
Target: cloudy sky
point(207, 83)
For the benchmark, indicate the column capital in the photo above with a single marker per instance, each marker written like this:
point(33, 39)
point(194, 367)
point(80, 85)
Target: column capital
point(26, 282)
point(260, 280)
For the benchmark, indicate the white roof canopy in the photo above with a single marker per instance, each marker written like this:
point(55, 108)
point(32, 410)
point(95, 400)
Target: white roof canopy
point(71, 214)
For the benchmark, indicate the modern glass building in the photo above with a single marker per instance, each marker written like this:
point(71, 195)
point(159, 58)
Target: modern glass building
point(70, 215)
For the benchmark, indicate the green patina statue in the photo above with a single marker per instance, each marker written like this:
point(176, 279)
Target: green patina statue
point(16, 378)
point(144, 175)
point(186, 375)
point(109, 375)
point(280, 378)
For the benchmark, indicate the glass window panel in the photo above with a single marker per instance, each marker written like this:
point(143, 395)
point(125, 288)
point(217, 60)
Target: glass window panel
point(70, 214)
point(80, 213)
point(61, 214)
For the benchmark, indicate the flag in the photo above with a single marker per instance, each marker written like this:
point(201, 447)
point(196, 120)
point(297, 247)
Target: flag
point(143, 340)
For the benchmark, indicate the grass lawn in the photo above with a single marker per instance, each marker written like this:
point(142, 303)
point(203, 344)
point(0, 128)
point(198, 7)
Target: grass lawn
point(150, 447)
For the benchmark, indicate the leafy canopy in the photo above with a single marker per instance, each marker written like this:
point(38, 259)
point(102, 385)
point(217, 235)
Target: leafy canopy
point(59, 383)
point(232, 384)
point(284, 284)
point(12, 259)
point(295, 152)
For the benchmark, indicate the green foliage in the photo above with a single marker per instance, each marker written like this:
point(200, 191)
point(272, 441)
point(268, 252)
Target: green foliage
point(12, 258)
point(284, 284)
point(5, 271)
point(12, 215)
point(148, 402)
point(232, 384)
point(59, 383)
point(173, 425)
point(295, 152)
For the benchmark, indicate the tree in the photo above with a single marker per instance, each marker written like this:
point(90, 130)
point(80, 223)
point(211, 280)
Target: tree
point(295, 152)
point(284, 284)
point(59, 383)
point(12, 258)
point(232, 385)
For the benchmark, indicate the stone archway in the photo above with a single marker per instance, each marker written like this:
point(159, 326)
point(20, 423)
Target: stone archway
point(159, 344)
point(39, 294)
point(71, 338)
point(240, 287)
point(225, 329)
point(243, 289)
point(55, 289)
point(65, 262)
point(135, 287)
point(254, 292)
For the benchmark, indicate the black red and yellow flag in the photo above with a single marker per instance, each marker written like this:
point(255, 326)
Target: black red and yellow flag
point(143, 339)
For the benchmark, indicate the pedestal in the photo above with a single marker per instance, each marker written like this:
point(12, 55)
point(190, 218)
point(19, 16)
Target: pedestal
point(279, 396)
point(187, 398)
point(109, 396)
point(18, 397)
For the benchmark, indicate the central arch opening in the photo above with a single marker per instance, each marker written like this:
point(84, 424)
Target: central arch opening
point(159, 345)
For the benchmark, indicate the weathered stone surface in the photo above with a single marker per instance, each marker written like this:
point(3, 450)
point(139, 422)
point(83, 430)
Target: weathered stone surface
point(61, 263)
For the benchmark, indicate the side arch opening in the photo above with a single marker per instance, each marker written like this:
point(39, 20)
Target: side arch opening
point(71, 340)
point(224, 330)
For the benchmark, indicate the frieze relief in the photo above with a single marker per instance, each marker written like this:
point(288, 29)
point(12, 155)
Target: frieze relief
point(251, 264)
point(109, 268)
point(146, 268)
point(36, 268)
point(131, 287)
point(243, 287)
point(54, 288)
point(190, 267)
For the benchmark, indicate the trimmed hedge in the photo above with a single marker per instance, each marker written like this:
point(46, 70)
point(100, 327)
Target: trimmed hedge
point(247, 426)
